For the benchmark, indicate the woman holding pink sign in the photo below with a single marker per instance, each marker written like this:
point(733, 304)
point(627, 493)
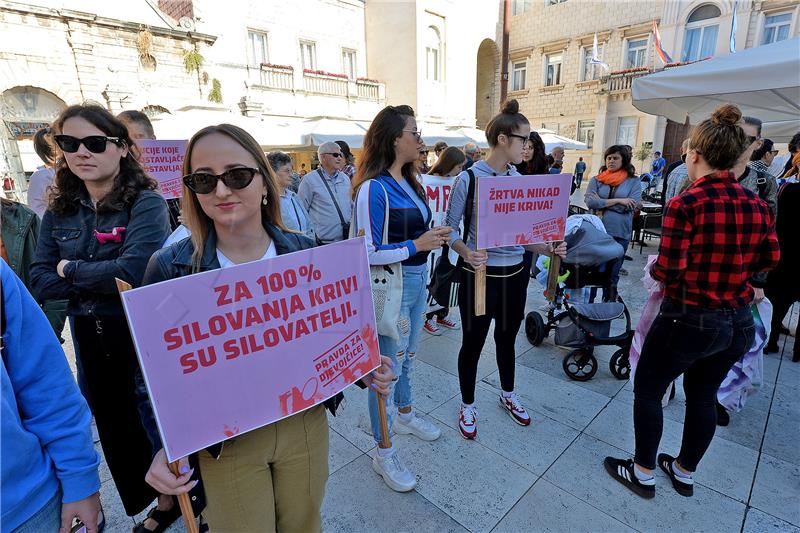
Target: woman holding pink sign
point(506, 275)
point(272, 478)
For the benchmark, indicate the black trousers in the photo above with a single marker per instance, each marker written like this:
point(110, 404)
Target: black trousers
point(108, 360)
point(506, 292)
point(782, 291)
point(702, 344)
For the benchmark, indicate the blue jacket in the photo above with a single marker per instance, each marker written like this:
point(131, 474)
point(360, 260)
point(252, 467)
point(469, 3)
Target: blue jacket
point(89, 277)
point(45, 424)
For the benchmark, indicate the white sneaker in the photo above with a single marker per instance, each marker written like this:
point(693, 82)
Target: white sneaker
point(417, 426)
point(394, 472)
point(467, 422)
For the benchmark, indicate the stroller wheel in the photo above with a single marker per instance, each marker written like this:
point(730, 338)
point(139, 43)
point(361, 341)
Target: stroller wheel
point(534, 328)
point(619, 365)
point(580, 365)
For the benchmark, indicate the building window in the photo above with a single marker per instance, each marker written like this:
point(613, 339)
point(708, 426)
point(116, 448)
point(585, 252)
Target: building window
point(257, 48)
point(519, 7)
point(308, 55)
point(636, 53)
point(776, 28)
point(433, 55)
point(519, 74)
point(586, 132)
point(588, 70)
point(553, 2)
point(702, 28)
point(552, 73)
point(626, 134)
point(349, 63)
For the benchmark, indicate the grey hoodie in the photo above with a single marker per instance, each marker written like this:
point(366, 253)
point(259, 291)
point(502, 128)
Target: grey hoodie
point(505, 256)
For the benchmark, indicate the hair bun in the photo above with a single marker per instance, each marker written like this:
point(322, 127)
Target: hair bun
point(726, 115)
point(510, 107)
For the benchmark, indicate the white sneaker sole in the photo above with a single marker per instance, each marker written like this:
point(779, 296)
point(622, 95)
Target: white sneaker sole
point(391, 484)
point(400, 429)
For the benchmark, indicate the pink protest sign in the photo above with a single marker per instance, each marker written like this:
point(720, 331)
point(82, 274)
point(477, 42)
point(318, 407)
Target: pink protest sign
point(518, 210)
point(230, 350)
point(163, 160)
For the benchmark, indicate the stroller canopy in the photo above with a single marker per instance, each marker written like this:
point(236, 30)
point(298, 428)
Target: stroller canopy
point(590, 246)
point(600, 312)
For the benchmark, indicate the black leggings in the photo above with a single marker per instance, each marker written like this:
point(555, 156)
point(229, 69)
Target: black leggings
point(701, 344)
point(505, 304)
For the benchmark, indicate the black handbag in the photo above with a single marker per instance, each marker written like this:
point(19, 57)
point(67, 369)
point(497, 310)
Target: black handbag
point(445, 273)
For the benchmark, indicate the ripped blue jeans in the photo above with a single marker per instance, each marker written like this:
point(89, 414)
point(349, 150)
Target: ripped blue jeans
point(402, 352)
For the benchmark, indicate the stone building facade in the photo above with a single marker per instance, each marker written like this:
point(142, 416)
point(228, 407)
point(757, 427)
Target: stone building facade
point(558, 89)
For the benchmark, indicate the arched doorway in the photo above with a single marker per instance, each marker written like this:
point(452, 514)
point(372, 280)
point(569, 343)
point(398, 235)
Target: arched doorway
point(23, 110)
point(486, 82)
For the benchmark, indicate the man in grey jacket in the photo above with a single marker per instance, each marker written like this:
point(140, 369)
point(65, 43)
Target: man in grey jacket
point(325, 195)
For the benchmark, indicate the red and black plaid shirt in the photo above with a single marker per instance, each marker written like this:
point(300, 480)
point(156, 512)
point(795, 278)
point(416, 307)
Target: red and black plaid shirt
point(715, 236)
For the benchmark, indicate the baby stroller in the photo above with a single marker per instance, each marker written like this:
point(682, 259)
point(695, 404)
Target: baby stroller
point(582, 326)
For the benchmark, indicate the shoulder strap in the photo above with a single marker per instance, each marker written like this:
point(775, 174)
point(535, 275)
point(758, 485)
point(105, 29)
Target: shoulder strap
point(335, 203)
point(470, 204)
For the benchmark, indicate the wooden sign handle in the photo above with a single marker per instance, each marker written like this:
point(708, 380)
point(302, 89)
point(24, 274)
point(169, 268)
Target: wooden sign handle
point(552, 275)
point(183, 499)
point(480, 291)
point(385, 440)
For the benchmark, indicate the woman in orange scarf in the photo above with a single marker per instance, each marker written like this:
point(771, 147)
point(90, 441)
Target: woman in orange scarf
point(613, 195)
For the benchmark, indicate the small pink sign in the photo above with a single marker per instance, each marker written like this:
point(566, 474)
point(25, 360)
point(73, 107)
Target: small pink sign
point(231, 350)
point(163, 161)
point(520, 210)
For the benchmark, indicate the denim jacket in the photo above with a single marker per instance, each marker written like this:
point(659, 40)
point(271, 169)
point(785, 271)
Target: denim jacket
point(88, 280)
point(176, 261)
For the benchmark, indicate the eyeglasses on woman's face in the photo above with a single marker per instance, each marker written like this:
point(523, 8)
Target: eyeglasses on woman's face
point(94, 143)
point(206, 182)
point(416, 133)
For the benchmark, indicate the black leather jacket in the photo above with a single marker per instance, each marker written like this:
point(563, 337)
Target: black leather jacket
point(176, 261)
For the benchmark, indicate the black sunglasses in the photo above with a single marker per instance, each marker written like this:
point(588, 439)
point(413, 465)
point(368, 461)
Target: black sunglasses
point(94, 143)
point(524, 138)
point(234, 179)
point(334, 154)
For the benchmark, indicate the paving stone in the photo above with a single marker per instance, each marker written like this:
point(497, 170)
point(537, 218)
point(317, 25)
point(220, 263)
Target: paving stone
point(776, 488)
point(340, 452)
point(760, 522)
point(534, 447)
point(442, 352)
point(782, 438)
point(557, 399)
point(352, 419)
point(431, 386)
point(357, 499)
point(547, 508)
point(580, 472)
point(465, 479)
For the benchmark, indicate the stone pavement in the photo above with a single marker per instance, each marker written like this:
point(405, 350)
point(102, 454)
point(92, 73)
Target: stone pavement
point(549, 476)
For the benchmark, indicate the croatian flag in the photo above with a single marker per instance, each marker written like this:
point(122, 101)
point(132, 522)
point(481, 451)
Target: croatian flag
point(595, 60)
point(659, 48)
point(733, 28)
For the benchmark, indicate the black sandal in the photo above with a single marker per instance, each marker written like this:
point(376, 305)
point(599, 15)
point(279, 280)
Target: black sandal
point(683, 488)
point(163, 518)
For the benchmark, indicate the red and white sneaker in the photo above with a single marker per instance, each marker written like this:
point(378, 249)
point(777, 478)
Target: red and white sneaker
point(431, 327)
point(446, 323)
point(515, 410)
point(467, 422)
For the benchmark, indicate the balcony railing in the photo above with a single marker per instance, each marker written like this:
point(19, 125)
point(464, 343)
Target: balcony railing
point(277, 78)
point(369, 90)
point(324, 84)
point(622, 81)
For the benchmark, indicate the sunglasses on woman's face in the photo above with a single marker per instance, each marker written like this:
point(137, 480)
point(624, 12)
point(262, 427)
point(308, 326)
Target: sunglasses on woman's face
point(234, 179)
point(94, 143)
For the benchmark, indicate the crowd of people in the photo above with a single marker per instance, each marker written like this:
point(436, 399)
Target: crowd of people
point(94, 216)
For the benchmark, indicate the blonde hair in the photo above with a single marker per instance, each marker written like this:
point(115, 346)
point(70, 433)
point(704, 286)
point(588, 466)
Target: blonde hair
point(198, 222)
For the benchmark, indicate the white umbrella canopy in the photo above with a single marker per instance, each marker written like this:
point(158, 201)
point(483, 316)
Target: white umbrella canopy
point(552, 140)
point(319, 130)
point(764, 82)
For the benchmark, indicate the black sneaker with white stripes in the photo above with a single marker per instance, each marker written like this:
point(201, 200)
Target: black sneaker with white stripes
point(684, 486)
point(622, 471)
